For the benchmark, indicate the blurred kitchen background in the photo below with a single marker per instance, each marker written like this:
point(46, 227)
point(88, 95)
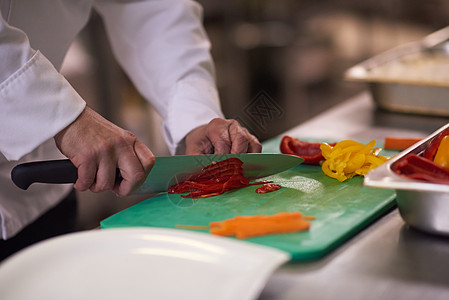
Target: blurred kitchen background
point(278, 63)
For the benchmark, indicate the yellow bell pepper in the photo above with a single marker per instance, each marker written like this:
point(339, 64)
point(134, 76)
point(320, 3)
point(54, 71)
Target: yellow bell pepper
point(442, 156)
point(350, 158)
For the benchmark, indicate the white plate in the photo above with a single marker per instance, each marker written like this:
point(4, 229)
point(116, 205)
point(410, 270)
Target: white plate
point(139, 263)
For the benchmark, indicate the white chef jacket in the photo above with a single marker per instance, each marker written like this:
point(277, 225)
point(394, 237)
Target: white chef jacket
point(160, 44)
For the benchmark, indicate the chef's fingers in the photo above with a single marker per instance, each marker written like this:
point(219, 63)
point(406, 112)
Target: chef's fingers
point(241, 140)
point(221, 136)
point(132, 173)
point(106, 172)
point(97, 147)
point(238, 138)
point(146, 157)
point(197, 142)
point(254, 145)
point(204, 146)
point(134, 167)
point(218, 134)
point(86, 176)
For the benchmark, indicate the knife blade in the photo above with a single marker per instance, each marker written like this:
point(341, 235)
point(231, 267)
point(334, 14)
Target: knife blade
point(166, 171)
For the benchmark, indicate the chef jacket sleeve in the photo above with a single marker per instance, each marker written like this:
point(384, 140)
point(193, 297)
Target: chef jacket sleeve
point(36, 102)
point(162, 46)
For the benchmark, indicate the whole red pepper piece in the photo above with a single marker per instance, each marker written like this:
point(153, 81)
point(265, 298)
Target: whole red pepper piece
point(417, 167)
point(431, 150)
point(309, 151)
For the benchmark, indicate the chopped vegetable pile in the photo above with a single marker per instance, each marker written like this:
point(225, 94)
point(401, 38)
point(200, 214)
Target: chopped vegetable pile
point(350, 158)
point(340, 160)
point(249, 226)
point(431, 166)
point(420, 168)
point(215, 179)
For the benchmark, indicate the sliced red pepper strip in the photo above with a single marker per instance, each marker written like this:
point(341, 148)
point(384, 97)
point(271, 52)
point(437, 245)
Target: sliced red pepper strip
point(226, 167)
point(261, 182)
point(417, 167)
point(266, 188)
point(213, 181)
point(309, 151)
point(200, 194)
point(191, 185)
point(234, 182)
point(431, 150)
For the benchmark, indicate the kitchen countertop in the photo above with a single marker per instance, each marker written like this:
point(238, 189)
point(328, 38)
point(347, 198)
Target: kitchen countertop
point(387, 260)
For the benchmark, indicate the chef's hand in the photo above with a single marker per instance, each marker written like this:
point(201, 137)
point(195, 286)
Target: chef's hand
point(221, 136)
point(97, 147)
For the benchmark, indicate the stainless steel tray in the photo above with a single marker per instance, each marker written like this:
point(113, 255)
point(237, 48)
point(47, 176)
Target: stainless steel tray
point(411, 78)
point(422, 205)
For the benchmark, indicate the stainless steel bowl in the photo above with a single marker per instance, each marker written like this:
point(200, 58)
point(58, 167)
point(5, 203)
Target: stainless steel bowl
point(411, 78)
point(422, 205)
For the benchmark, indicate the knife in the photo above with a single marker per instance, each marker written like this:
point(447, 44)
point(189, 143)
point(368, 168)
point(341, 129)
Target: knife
point(167, 170)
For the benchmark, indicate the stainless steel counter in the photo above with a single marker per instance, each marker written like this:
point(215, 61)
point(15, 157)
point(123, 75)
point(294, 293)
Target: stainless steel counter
point(387, 260)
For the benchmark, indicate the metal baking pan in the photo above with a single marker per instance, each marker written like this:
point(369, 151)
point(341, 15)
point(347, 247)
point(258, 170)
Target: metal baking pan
point(411, 78)
point(422, 205)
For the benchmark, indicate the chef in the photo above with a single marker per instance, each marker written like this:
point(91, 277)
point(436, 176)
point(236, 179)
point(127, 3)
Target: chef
point(162, 47)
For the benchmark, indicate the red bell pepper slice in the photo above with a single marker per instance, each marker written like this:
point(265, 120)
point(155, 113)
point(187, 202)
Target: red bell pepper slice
point(266, 188)
point(234, 182)
point(420, 168)
point(309, 151)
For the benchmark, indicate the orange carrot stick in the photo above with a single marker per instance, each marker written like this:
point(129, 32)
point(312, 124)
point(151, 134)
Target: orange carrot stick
point(249, 226)
point(398, 143)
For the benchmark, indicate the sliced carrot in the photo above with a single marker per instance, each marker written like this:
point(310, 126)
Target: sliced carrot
point(399, 143)
point(249, 226)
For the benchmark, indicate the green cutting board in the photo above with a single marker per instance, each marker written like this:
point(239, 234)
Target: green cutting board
point(341, 209)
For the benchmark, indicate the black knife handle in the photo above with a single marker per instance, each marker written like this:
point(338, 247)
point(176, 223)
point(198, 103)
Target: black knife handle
point(50, 171)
